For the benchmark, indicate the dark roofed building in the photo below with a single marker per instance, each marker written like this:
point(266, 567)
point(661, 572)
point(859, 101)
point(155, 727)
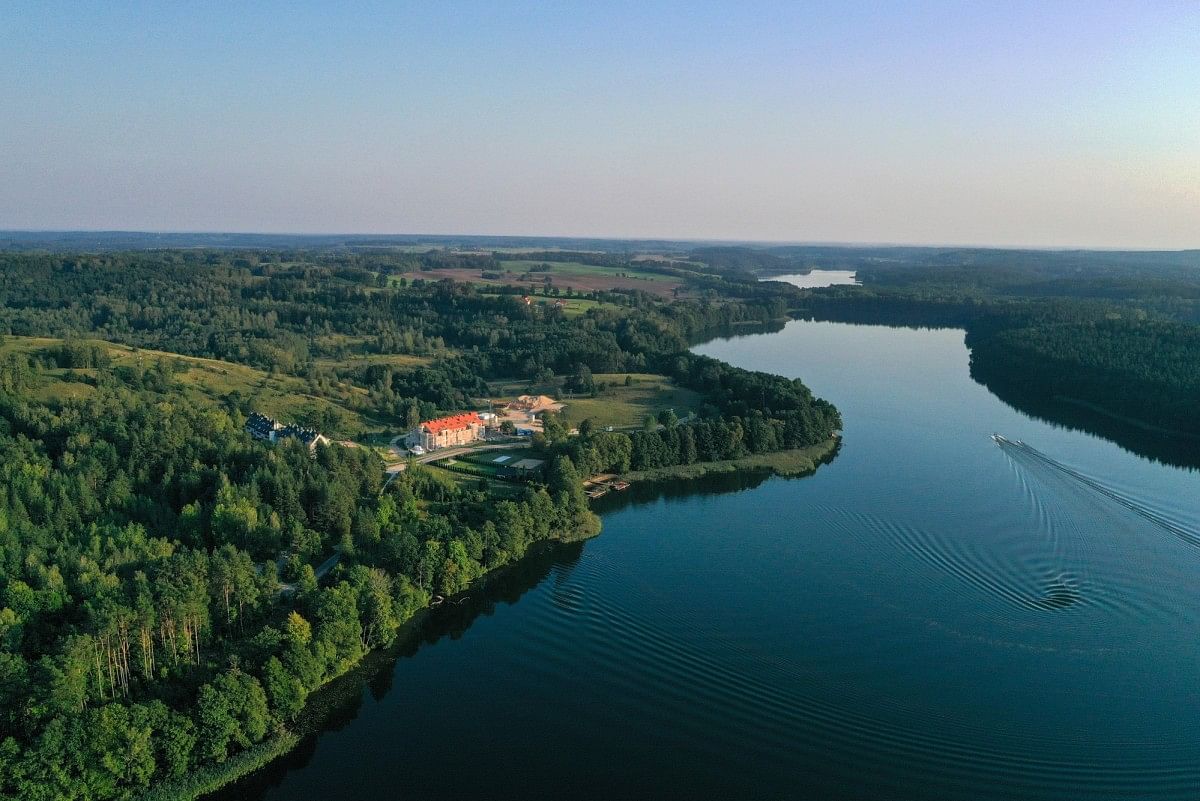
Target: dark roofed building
point(262, 427)
point(309, 436)
point(267, 429)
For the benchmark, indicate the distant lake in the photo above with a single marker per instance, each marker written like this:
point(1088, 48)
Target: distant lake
point(817, 278)
point(930, 616)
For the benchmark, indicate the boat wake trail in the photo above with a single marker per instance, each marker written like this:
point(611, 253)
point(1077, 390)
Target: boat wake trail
point(1025, 453)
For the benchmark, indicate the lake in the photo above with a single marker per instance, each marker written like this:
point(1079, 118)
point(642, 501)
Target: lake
point(817, 278)
point(930, 616)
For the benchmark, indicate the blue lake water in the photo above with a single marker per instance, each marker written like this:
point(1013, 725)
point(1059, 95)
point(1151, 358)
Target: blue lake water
point(929, 616)
point(817, 278)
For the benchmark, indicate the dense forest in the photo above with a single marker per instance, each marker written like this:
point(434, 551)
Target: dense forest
point(171, 590)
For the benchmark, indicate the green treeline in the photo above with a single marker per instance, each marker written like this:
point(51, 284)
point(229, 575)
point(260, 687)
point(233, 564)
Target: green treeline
point(1146, 370)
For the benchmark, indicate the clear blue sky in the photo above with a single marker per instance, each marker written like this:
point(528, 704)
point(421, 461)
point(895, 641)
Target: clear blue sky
point(962, 122)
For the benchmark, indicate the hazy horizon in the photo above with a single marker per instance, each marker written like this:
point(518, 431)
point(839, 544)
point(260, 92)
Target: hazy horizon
point(600, 238)
point(1059, 126)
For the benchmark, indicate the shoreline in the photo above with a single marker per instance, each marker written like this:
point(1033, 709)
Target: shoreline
point(787, 464)
point(211, 779)
point(324, 701)
point(1124, 418)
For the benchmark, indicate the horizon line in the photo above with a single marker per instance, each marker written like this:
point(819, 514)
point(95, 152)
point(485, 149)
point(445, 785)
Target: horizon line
point(632, 239)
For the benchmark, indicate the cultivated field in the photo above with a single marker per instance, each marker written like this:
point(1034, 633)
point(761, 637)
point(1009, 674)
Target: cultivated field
point(579, 277)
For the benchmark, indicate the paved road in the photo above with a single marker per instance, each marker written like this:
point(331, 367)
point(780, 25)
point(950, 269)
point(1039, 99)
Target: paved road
point(327, 565)
point(287, 587)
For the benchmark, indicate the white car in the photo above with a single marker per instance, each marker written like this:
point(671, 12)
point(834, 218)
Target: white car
point(417, 450)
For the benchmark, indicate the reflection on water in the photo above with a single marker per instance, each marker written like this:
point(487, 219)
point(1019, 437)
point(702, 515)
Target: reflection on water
point(1172, 449)
point(817, 278)
point(339, 705)
point(929, 616)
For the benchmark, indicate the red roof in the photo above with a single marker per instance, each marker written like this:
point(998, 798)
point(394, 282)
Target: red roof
point(454, 422)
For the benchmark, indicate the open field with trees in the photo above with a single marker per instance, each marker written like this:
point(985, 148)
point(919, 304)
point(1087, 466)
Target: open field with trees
point(571, 269)
point(584, 273)
point(625, 400)
point(621, 400)
point(334, 407)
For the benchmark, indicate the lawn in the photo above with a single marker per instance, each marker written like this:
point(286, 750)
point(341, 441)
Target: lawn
point(489, 458)
point(619, 406)
point(469, 468)
point(462, 475)
point(473, 468)
point(627, 406)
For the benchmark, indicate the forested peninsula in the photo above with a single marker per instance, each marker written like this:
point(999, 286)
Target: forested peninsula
point(172, 589)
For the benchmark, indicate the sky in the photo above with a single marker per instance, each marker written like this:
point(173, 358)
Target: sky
point(988, 123)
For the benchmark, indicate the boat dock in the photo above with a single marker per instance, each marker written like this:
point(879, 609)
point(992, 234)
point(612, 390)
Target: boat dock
point(601, 485)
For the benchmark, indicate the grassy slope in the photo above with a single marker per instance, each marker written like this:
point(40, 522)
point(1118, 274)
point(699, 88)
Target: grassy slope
point(207, 380)
point(397, 361)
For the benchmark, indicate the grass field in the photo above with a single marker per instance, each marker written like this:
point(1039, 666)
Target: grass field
point(572, 307)
point(399, 361)
point(566, 269)
point(460, 465)
point(619, 406)
point(463, 474)
point(627, 406)
point(468, 469)
point(484, 463)
point(490, 457)
point(582, 278)
point(286, 398)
